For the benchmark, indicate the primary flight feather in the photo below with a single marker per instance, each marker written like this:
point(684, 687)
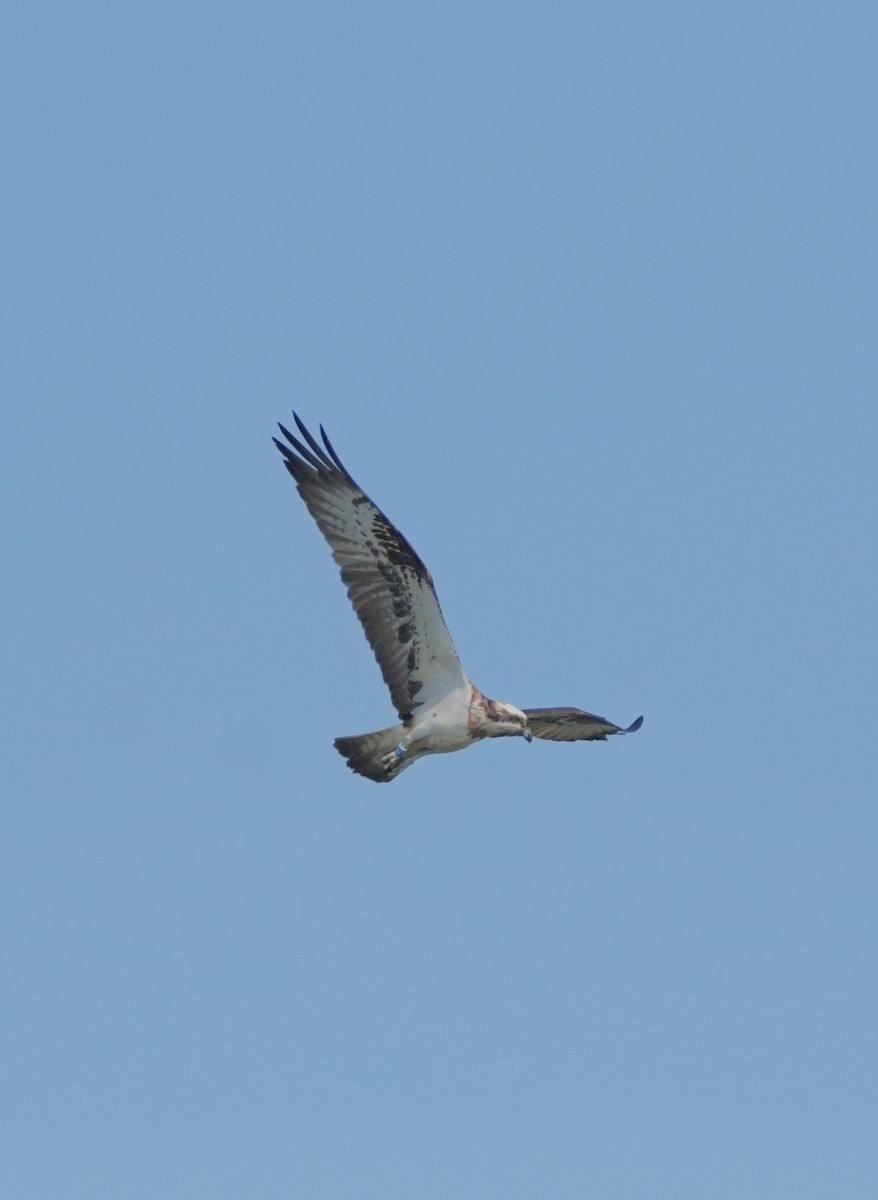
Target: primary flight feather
point(393, 595)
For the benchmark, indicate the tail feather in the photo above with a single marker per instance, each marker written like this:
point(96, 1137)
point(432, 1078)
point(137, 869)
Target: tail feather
point(366, 752)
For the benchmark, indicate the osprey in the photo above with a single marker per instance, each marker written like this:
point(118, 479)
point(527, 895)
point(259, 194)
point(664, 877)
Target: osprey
point(393, 595)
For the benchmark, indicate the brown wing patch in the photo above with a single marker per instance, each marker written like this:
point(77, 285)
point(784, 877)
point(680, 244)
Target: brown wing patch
point(388, 584)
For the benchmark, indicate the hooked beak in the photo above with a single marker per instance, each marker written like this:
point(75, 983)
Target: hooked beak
point(527, 735)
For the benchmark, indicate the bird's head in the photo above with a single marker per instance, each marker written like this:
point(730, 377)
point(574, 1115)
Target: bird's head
point(507, 720)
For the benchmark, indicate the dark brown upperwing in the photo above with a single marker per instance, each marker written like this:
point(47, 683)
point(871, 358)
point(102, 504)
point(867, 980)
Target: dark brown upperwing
point(573, 725)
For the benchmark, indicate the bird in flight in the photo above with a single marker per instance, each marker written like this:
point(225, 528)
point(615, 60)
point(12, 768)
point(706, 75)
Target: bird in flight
point(393, 595)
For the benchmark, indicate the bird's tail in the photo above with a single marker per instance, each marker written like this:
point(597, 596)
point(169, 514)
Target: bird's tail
point(373, 754)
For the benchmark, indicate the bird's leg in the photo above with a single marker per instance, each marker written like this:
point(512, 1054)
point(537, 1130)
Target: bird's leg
point(395, 760)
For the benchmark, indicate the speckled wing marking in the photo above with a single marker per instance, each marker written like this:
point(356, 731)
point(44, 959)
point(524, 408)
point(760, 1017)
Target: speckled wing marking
point(573, 725)
point(390, 588)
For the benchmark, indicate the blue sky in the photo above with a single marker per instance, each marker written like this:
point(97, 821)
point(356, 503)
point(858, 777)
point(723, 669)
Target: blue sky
point(586, 298)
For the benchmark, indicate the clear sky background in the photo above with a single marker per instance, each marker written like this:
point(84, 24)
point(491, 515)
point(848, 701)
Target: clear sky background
point(585, 296)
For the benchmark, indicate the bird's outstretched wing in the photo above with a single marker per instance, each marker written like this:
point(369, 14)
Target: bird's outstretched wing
point(573, 725)
point(390, 588)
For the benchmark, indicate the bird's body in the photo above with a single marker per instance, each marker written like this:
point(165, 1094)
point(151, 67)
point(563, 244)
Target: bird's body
point(454, 722)
point(393, 595)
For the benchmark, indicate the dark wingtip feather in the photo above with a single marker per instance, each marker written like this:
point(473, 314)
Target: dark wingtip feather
point(306, 434)
point(333, 455)
point(633, 727)
point(318, 461)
